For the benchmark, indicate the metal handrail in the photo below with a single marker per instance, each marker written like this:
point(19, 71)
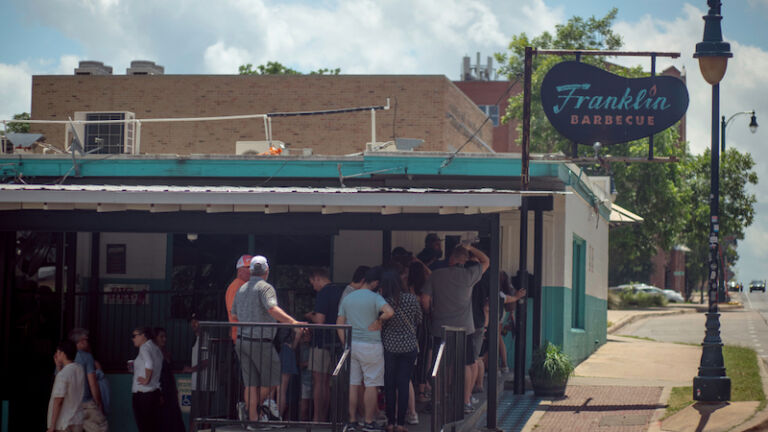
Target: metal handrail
point(274, 324)
point(438, 360)
point(340, 377)
point(341, 362)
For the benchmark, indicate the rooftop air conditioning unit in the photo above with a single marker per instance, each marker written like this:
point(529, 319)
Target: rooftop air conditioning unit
point(144, 67)
point(105, 132)
point(399, 144)
point(89, 67)
point(256, 147)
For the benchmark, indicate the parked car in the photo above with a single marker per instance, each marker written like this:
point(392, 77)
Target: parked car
point(670, 295)
point(757, 285)
point(673, 296)
point(734, 286)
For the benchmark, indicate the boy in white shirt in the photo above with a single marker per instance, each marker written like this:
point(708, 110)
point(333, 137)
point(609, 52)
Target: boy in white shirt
point(64, 411)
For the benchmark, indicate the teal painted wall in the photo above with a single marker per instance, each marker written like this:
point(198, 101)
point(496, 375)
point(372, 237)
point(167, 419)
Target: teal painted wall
point(179, 166)
point(557, 319)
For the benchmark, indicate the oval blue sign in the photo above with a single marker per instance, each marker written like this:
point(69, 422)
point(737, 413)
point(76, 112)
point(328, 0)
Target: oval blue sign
point(587, 104)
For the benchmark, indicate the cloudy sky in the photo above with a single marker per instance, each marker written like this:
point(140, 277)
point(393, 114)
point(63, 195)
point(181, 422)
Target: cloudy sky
point(386, 37)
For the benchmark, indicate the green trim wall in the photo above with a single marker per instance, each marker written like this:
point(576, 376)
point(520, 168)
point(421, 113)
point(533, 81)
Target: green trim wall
point(557, 319)
point(158, 166)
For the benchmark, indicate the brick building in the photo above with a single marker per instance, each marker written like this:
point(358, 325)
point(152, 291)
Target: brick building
point(428, 107)
point(492, 97)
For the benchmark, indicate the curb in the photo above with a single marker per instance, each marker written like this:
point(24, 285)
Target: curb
point(633, 318)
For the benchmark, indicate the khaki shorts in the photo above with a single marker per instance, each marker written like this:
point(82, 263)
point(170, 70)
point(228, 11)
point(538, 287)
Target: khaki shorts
point(367, 364)
point(320, 360)
point(93, 419)
point(259, 363)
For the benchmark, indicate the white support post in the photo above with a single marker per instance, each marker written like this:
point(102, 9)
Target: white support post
point(137, 138)
point(373, 127)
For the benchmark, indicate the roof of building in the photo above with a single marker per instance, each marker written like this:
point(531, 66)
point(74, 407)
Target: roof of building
point(219, 199)
point(373, 178)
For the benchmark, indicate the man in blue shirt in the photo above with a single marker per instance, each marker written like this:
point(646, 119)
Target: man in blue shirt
point(365, 311)
point(93, 411)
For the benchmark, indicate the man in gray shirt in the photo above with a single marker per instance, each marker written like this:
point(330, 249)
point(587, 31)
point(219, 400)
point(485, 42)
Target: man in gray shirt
point(256, 302)
point(448, 294)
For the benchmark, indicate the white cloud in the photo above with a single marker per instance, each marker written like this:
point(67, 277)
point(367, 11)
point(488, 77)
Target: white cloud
point(221, 59)
point(359, 36)
point(15, 89)
point(16, 81)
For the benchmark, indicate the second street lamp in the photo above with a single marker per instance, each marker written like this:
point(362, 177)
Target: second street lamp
point(724, 124)
point(712, 384)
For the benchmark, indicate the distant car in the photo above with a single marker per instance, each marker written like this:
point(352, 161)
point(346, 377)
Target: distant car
point(757, 285)
point(673, 296)
point(734, 286)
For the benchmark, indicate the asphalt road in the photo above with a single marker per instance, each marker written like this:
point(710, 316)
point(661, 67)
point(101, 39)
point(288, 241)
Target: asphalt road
point(743, 327)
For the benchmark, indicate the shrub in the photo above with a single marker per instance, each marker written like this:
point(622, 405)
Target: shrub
point(550, 364)
point(629, 299)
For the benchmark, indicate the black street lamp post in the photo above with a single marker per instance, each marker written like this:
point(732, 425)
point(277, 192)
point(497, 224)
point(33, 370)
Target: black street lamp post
point(712, 384)
point(723, 248)
point(724, 124)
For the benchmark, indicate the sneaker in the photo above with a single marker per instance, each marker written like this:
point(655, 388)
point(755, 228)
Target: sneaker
point(266, 416)
point(242, 412)
point(473, 400)
point(372, 427)
point(350, 427)
point(504, 370)
point(381, 419)
point(271, 405)
point(412, 419)
point(468, 409)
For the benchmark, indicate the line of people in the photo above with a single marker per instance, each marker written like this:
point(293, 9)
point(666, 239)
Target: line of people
point(396, 312)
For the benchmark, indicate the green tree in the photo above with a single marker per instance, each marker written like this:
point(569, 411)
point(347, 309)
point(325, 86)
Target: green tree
point(671, 197)
point(577, 33)
point(277, 68)
point(737, 208)
point(659, 193)
point(19, 127)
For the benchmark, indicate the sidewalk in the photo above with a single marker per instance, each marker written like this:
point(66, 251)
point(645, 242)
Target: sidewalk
point(625, 385)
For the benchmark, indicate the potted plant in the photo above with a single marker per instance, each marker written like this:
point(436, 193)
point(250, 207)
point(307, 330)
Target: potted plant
point(550, 370)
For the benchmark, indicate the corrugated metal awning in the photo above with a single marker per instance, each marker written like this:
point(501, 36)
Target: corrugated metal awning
point(217, 199)
point(620, 215)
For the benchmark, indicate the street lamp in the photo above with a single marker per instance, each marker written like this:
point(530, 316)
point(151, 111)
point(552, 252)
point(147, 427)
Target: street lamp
point(724, 124)
point(712, 384)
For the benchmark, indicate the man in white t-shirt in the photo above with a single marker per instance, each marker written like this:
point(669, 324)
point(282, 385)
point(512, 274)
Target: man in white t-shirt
point(64, 411)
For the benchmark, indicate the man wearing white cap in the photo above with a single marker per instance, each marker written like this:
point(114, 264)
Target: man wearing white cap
point(256, 302)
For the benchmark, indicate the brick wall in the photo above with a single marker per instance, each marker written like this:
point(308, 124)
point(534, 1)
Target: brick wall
point(488, 93)
point(419, 109)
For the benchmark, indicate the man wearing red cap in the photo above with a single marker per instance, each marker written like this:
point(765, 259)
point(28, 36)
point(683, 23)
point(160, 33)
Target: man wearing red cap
point(243, 275)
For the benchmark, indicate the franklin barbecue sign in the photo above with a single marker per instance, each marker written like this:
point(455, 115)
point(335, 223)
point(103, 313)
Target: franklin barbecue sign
point(587, 104)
